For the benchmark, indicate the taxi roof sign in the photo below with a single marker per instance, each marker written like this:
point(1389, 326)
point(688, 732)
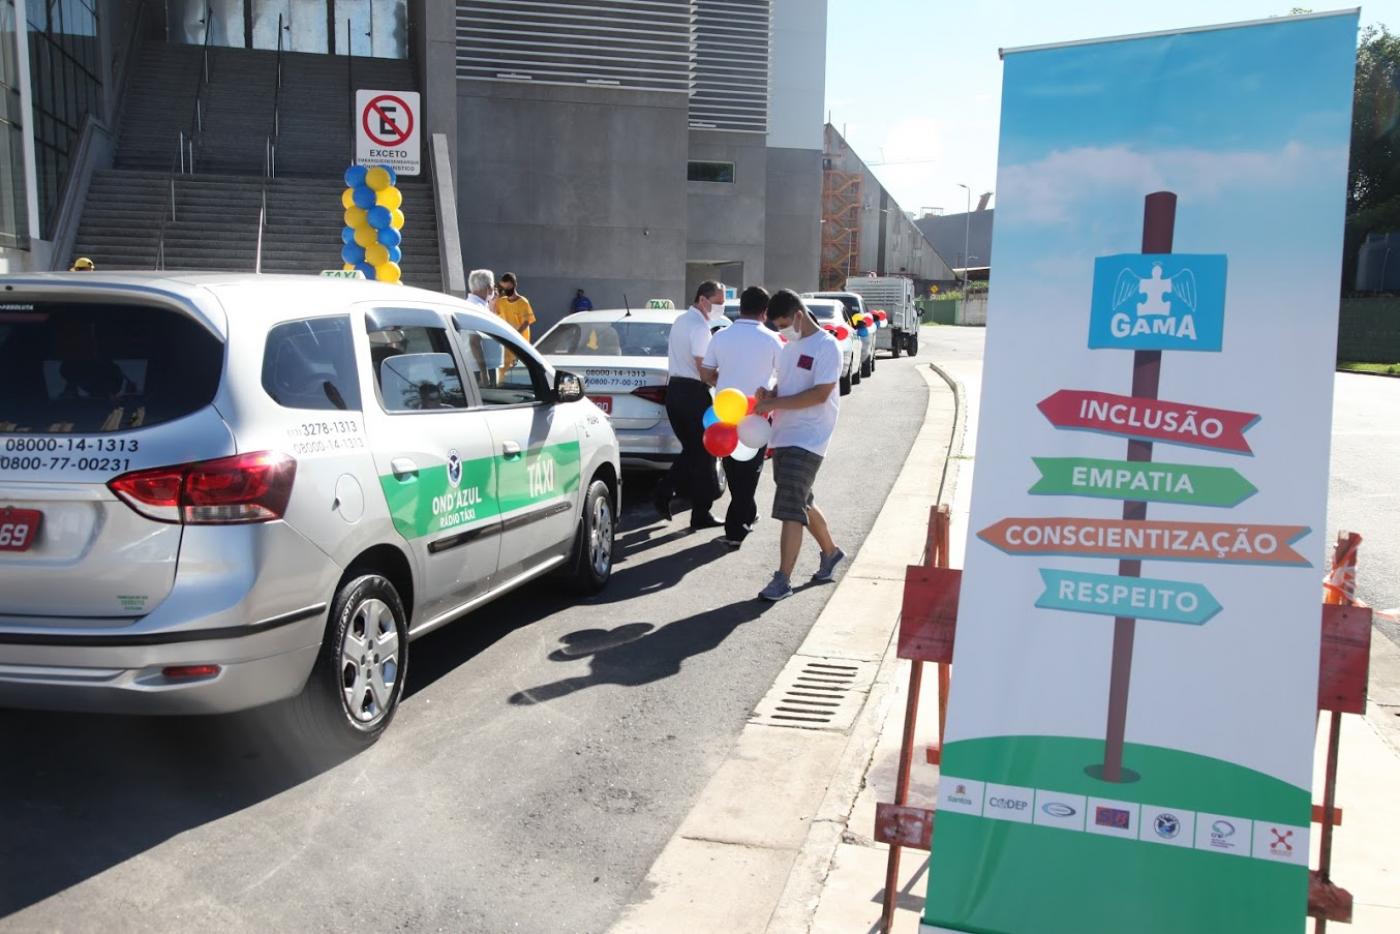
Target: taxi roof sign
point(660, 303)
point(342, 274)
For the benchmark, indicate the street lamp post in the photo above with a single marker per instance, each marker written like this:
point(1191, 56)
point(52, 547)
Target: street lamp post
point(967, 228)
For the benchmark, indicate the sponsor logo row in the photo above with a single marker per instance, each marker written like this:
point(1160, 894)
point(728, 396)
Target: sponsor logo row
point(1219, 833)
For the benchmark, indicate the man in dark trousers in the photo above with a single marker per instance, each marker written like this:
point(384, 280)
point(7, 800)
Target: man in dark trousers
point(744, 357)
point(687, 398)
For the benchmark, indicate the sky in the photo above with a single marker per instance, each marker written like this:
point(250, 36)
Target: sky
point(916, 84)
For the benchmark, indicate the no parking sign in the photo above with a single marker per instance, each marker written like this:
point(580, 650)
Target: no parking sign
point(386, 130)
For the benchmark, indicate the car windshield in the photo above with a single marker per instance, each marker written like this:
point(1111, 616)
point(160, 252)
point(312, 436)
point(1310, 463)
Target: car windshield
point(607, 339)
point(824, 310)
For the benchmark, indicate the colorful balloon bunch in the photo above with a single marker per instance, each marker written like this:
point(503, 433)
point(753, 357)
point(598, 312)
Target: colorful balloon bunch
point(731, 428)
point(373, 220)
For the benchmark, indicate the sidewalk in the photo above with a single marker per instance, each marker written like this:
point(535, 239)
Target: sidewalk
point(780, 839)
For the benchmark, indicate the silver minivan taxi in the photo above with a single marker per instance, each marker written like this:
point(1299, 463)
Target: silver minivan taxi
point(221, 491)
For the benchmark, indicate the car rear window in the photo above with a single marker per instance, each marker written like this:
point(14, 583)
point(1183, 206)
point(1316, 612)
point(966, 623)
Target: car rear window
point(84, 367)
point(607, 339)
point(310, 364)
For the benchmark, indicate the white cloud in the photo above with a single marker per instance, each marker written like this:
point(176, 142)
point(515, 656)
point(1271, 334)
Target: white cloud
point(1047, 190)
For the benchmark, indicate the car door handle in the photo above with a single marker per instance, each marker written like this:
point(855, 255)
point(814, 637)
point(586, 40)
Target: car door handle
point(403, 468)
point(510, 449)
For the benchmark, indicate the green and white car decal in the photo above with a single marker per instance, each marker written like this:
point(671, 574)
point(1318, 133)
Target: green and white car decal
point(464, 493)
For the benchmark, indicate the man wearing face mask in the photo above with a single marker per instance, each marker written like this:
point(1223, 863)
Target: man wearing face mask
point(693, 473)
point(515, 309)
point(804, 404)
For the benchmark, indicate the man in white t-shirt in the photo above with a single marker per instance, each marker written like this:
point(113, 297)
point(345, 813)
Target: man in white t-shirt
point(804, 404)
point(743, 356)
point(687, 397)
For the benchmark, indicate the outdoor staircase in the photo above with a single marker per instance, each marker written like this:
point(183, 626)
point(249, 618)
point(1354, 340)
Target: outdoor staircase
point(216, 207)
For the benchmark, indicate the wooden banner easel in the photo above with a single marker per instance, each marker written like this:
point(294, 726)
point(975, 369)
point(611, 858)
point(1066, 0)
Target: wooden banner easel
point(928, 623)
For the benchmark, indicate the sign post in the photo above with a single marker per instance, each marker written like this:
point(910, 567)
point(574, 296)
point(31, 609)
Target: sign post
point(1153, 776)
point(387, 130)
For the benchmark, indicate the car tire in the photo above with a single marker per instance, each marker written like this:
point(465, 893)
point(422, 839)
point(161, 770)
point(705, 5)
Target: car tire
point(866, 366)
point(913, 345)
point(896, 340)
point(590, 568)
point(857, 374)
point(366, 640)
point(845, 384)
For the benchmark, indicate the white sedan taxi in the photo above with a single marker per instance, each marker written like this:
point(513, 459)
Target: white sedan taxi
point(621, 355)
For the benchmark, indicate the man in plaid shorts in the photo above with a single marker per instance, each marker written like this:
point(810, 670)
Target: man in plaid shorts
point(804, 405)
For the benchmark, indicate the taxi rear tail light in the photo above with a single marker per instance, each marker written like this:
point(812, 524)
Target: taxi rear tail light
point(177, 672)
point(655, 394)
point(242, 488)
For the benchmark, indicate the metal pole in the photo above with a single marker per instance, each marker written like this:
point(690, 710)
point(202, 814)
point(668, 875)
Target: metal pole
point(1158, 225)
point(967, 229)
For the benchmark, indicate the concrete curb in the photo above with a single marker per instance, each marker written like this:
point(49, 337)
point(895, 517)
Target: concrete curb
point(755, 849)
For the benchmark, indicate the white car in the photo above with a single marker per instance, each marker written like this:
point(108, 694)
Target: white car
point(223, 490)
point(854, 305)
point(831, 315)
point(622, 356)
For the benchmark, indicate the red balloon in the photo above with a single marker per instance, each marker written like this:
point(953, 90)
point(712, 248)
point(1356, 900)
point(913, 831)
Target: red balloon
point(753, 404)
point(841, 333)
point(721, 439)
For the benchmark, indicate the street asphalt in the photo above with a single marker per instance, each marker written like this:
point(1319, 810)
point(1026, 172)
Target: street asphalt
point(545, 752)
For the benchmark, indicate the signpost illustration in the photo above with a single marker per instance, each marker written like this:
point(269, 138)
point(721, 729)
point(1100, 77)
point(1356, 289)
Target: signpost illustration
point(1129, 734)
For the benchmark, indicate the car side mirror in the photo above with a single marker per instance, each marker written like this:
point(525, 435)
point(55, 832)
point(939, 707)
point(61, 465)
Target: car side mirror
point(568, 387)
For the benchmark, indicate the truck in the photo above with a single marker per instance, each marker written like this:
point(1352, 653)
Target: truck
point(894, 295)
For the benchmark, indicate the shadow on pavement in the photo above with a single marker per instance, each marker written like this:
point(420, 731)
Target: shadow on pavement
point(635, 654)
point(84, 793)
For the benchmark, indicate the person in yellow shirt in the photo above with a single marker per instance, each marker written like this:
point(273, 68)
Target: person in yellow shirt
point(515, 309)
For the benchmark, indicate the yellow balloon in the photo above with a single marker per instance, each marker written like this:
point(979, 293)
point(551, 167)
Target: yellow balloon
point(366, 237)
point(388, 272)
point(390, 198)
point(377, 178)
point(355, 217)
point(347, 267)
point(731, 406)
point(376, 254)
point(396, 219)
point(347, 198)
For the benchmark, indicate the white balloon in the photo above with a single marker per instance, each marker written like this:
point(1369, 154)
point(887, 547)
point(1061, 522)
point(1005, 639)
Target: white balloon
point(755, 431)
point(744, 453)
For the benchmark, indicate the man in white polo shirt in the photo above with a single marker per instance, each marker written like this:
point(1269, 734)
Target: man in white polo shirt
point(743, 357)
point(804, 404)
point(687, 397)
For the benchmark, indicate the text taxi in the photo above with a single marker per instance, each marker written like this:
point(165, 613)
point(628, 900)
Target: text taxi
point(218, 491)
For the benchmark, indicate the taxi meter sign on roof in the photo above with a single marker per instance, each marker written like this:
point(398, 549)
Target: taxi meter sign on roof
point(386, 130)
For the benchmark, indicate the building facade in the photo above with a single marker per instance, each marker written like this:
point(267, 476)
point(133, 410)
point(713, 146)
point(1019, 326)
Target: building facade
point(630, 149)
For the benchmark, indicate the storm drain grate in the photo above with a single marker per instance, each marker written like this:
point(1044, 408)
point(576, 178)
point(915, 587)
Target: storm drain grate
point(816, 693)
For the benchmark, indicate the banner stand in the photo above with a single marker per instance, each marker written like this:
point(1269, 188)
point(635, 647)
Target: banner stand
point(927, 626)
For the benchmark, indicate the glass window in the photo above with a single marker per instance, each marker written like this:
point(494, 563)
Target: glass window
point(311, 365)
point(607, 339)
point(68, 367)
point(66, 86)
point(415, 370)
point(503, 375)
point(709, 171)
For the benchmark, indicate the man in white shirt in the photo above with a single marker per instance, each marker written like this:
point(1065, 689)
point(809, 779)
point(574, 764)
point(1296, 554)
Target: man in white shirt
point(804, 404)
point(743, 356)
point(687, 397)
point(485, 357)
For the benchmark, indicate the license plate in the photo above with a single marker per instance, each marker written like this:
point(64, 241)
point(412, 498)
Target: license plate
point(604, 403)
point(19, 528)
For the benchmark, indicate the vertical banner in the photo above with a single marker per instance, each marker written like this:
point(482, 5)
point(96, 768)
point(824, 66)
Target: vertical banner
point(1130, 733)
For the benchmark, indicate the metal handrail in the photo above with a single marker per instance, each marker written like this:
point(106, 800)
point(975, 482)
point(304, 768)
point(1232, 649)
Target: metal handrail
point(262, 222)
point(270, 168)
point(350, 86)
point(197, 116)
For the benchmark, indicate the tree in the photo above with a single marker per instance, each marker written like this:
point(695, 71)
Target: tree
point(1373, 181)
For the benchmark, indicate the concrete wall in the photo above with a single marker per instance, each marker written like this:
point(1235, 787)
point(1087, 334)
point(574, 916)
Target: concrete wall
point(792, 250)
point(574, 188)
point(797, 81)
point(726, 220)
point(434, 52)
point(946, 234)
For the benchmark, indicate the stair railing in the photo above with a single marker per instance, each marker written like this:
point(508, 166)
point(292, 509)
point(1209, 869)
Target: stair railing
point(197, 117)
point(270, 165)
point(350, 87)
point(262, 222)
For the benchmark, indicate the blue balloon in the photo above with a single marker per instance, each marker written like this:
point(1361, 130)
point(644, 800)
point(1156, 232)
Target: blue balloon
point(710, 417)
point(352, 253)
point(355, 176)
point(393, 176)
point(390, 237)
point(365, 268)
point(364, 197)
point(347, 235)
point(379, 217)
point(395, 254)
